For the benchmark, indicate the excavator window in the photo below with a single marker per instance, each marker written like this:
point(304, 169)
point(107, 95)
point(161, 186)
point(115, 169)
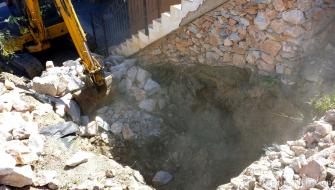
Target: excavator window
point(49, 13)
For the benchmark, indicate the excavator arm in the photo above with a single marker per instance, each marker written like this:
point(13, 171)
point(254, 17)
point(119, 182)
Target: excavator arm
point(78, 36)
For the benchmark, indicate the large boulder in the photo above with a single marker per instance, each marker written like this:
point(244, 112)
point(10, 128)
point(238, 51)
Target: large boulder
point(20, 177)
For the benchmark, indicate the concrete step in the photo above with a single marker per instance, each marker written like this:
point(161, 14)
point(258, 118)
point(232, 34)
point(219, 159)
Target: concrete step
point(144, 39)
point(160, 27)
point(157, 23)
point(175, 11)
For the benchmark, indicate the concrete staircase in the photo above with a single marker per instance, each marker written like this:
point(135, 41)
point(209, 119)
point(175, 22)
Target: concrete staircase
point(160, 27)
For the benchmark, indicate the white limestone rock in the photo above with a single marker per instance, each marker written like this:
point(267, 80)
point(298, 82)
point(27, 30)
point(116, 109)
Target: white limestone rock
point(90, 130)
point(21, 152)
point(72, 108)
point(9, 85)
point(78, 158)
point(44, 177)
point(7, 163)
point(46, 85)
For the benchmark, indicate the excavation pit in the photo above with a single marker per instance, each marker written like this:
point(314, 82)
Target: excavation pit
point(215, 122)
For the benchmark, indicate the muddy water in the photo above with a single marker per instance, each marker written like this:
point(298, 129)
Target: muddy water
point(218, 120)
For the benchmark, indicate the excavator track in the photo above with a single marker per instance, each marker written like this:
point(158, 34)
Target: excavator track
point(22, 64)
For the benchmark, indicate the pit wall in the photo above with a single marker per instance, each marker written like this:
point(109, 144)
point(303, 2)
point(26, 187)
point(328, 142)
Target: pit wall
point(268, 36)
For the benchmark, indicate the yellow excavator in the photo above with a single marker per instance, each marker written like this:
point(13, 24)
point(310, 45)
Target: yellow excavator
point(49, 19)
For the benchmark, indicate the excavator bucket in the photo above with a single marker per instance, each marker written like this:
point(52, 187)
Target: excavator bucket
point(93, 96)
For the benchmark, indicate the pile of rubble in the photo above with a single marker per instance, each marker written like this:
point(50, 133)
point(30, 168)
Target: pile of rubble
point(41, 136)
point(307, 163)
point(21, 144)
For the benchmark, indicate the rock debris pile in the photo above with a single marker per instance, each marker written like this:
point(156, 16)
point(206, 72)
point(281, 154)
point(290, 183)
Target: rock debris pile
point(307, 163)
point(43, 134)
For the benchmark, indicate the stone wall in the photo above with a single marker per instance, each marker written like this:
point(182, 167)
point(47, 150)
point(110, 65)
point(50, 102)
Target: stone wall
point(268, 36)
